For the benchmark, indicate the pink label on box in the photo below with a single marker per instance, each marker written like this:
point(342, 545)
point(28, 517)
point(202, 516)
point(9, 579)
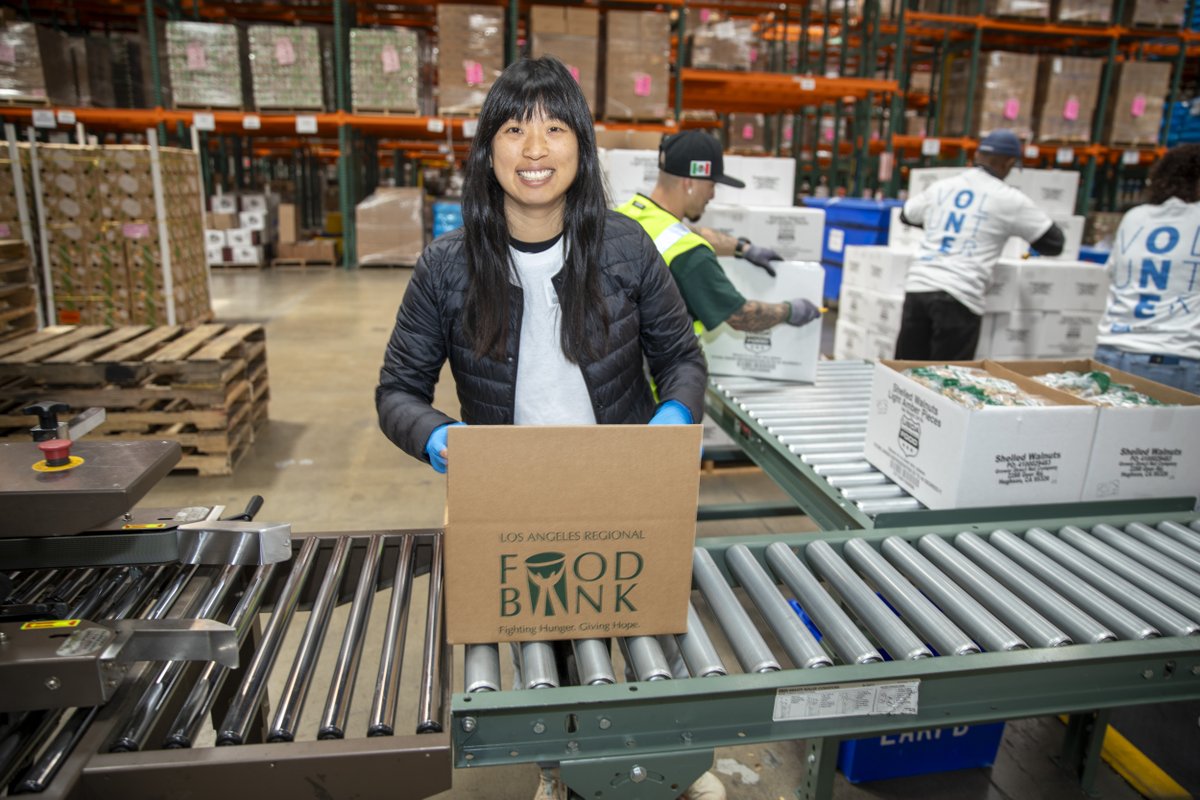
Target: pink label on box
point(1138, 108)
point(787, 133)
point(285, 54)
point(4, 231)
point(473, 72)
point(753, 56)
point(390, 59)
point(1012, 108)
point(828, 134)
point(641, 84)
point(747, 131)
point(574, 70)
point(136, 230)
point(1071, 109)
point(8, 54)
point(705, 14)
point(195, 56)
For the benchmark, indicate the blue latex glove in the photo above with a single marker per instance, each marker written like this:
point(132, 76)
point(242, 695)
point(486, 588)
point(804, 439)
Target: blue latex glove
point(802, 312)
point(672, 412)
point(435, 447)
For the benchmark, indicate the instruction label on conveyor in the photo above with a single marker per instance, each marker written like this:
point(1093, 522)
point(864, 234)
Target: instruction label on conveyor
point(846, 700)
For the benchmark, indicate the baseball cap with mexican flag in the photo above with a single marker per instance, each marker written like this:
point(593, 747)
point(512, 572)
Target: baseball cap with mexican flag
point(695, 154)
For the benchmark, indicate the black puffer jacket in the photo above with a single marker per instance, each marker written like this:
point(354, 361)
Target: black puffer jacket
point(647, 317)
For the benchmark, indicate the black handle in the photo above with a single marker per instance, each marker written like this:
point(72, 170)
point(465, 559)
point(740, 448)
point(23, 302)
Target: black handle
point(47, 412)
point(252, 509)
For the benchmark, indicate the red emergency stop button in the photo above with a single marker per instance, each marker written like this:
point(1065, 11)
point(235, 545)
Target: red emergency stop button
point(56, 451)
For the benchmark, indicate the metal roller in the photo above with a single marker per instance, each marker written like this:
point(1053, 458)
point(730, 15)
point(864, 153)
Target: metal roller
point(391, 653)
point(962, 609)
point(538, 670)
point(818, 427)
point(830, 458)
point(795, 417)
point(887, 491)
point(1148, 556)
point(593, 662)
point(140, 593)
point(1195, 526)
point(645, 656)
point(748, 645)
point(428, 701)
point(993, 595)
point(1168, 621)
point(844, 468)
point(39, 775)
point(860, 479)
point(345, 669)
point(822, 438)
point(892, 633)
point(884, 506)
point(1181, 534)
point(193, 714)
point(1060, 611)
point(1125, 624)
point(136, 728)
point(34, 585)
point(1178, 597)
point(103, 589)
point(838, 629)
point(481, 668)
point(821, 448)
point(74, 584)
point(234, 727)
point(697, 649)
point(299, 678)
point(798, 642)
point(1181, 554)
point(946, 637)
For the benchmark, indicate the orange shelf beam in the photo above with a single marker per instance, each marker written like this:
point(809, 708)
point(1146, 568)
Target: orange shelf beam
point(767, 92)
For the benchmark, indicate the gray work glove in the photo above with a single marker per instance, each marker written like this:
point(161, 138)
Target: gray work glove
point(802, 312)
point(761, 257)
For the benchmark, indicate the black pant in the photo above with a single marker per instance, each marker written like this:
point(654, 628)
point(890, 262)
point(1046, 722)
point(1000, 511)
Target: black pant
point(936, 327)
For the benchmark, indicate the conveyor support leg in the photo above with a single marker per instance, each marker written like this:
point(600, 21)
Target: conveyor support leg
point(820, 768)
point(1081, 747)
point(654, 777)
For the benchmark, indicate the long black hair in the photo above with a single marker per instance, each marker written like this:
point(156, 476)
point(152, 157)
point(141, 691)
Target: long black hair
point(1177, 174)
point(527, 88)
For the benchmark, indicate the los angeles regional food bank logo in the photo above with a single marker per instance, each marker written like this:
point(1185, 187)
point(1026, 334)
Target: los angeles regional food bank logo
point(909, 437)
point(551, 584)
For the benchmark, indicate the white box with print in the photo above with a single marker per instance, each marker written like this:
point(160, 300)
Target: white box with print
point(629, 172)
point(769, 181)
point(784, 352)
point(795, 233)
point(949, 456)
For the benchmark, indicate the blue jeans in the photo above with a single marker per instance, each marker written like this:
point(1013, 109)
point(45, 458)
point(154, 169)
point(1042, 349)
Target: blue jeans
point(1182, 373)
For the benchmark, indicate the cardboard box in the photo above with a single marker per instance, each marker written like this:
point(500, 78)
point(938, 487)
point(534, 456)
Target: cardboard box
point(784, 353)
point(795, 233)
point(1083, 11)
point(1005, 95)
point(724, 44)
point(1069, 334)
point(285, 67)
point(391, 226)
point(883, 269)
point(1042, 284)
point(243, 237)
point(629, 172)
point(1068, 90)
point(214, 238)
point(1013, 334)
point(205, 64)
point(1072, 228)
point(1052, 190)
point(627, 139)
point(638, 65)
point(253, 220)
point(1155, 13)
point(470, 57)
point(769, 181)
point(256, 202)
point(949, 456)
point(572, 35)
point(224, 204)
point(903, 237)
point(246, 255)
point(315, 250)
point(855, 341)
point(288, 223)
point(385, 70)
point(215, 254)
point(569, 532)
point(223, 221)
point(747, 133)
point(1032, 9)
point(1136, 452)
point(1135, 112)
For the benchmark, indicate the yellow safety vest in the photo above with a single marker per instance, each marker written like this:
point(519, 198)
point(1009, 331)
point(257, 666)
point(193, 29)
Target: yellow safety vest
point(671, 237)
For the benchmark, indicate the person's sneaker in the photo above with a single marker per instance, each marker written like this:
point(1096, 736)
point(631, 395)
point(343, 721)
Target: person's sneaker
point(551, 787)
point(706, 787)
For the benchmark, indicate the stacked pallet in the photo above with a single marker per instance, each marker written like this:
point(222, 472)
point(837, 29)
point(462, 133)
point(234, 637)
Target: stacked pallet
point(18, 299)
point(205, 387)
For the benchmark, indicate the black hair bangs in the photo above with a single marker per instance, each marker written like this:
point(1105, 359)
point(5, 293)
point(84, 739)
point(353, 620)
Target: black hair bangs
point(532, 88)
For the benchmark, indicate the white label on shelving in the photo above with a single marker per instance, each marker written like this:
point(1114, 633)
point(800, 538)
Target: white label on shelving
point(847, 700)
point(1131, 158)
point(203, 121)
point(66, 116)
point(931, 147)
point(306, 123)
point(1031, 152)
point(469, 127)
point(44, 118)
point(807, 84)
point(435, 125)
point(1065, 155)
point(252, 122)
point(886, 165)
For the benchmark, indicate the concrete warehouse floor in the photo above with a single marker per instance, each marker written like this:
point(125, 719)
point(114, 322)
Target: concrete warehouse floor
point(323, 465)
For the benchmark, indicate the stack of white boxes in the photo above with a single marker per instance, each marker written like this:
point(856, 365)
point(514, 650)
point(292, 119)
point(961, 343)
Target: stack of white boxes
point(1035, 308)
point(240, 227)
point(769, 181)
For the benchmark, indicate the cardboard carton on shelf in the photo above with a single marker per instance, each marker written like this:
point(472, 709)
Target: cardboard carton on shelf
point(288, 223)
point(1076, 11)
point(391, 226)
point(572, 35)
point(949, 456)
point(638, 71)
point(569, 533)
point(316, 251)
point(782, 353)
point(470, 57)
point(1068, 89)
point(626, 139)
point(1135, 112)
point(1005, 95)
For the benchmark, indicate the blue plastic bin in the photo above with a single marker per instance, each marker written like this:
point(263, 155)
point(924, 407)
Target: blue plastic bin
point(899, 755)
point(833, 281)
point(447, 216)
point(856, 213)
point(1093, 255)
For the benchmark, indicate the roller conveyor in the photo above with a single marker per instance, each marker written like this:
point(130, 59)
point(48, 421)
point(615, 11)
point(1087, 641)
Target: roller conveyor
point(811, 439)
point(205, 730)
point(974, 626)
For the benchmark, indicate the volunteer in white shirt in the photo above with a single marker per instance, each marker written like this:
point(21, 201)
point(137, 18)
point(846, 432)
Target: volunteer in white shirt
point(967, 220)
point(1152, 325)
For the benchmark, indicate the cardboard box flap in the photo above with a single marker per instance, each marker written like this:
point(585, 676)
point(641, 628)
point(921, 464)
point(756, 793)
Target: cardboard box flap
point(1168, 395)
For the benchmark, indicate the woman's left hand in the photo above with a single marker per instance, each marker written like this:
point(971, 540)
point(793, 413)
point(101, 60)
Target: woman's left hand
point(672, 412)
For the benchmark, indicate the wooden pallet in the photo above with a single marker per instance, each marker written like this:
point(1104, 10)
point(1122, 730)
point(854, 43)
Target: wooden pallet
point(205, 387)
point(302, 263)
point(237, 265)
point(386, 112)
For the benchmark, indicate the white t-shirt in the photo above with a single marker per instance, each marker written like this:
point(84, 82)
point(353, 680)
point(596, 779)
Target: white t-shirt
point(550, 389)
point(967, 220)
point(1154, 282)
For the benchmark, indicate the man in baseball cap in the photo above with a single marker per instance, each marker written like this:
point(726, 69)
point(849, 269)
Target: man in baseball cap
point(967, 218)
point(690, 165)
